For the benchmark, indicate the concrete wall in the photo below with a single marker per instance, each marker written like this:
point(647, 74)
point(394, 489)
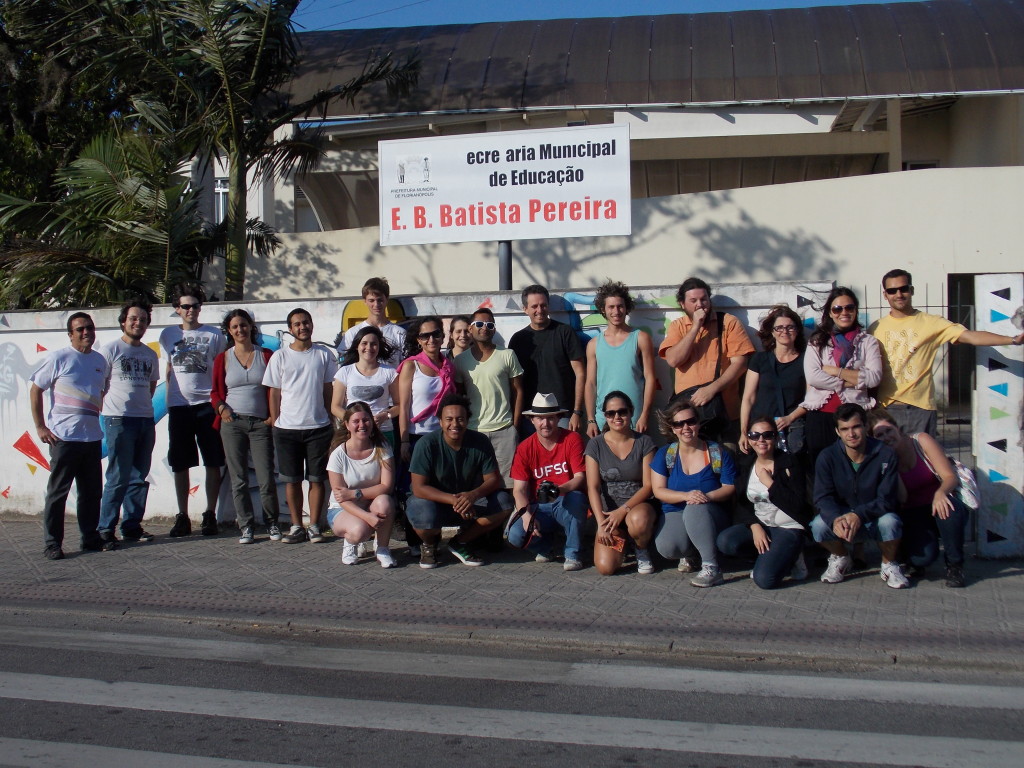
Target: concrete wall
point(851, 230)
point(987, 131)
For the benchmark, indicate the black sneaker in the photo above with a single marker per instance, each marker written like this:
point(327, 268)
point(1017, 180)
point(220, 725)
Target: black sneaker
point(297, 535)
point(94, 544)
point(955, 576)
point(428, 555)
point(209, 524)
point(109, 539)
point(53, 552)
point(138, 535)
point(182, 526)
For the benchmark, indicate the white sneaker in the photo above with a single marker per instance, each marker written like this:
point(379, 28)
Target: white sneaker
point(350, 554)
point(366, 547)
point(893, 576)
point(247, 536)
point(799, 572)
point(838, 567)
point(688, 565)
point(643, 562)
point(385, 558)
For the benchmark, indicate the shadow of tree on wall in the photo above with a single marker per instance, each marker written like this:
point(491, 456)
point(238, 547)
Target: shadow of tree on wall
point(305, 270)
point(730, 248)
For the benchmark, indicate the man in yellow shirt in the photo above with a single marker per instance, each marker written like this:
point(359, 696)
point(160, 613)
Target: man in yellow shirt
point(910, 341)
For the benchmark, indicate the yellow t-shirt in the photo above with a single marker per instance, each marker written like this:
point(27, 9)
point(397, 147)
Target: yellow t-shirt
point(910, 345)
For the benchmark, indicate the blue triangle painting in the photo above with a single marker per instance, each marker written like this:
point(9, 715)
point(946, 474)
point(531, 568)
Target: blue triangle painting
point(995, 317)
point(1003, 389)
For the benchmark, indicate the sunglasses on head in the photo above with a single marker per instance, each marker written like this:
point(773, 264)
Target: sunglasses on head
point(766, 435)
point(187, 307)
point(611, 414)
point(430, 335)
point(900, 289)
point(690, 422)
point(838, 309)
point(481, 324)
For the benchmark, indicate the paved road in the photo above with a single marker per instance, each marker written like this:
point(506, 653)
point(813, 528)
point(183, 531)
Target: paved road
point(164, 694)
point(518, 602)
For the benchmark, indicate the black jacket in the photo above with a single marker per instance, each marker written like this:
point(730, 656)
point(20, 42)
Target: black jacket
point(788, 491)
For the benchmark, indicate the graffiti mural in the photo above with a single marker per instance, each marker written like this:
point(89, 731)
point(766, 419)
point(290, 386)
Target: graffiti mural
point(26, 337)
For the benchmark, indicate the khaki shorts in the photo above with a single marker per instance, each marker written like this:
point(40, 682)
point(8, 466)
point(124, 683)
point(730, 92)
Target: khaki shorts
point(504, 442)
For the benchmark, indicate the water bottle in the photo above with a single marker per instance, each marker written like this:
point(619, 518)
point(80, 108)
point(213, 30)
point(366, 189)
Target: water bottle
point(780, 442)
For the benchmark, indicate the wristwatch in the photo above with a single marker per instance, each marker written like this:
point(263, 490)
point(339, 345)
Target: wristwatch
point(359, 493)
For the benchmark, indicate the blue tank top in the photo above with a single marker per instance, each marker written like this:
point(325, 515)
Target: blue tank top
point(619, 368)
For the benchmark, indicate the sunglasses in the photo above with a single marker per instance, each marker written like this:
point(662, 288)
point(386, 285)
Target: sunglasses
point(838, 309)
point(784, 329)
point(690, 422)
point(430, 335)
point(83, 329)
point(768, 435)
point(618, 412)
point(187, 307)
point(900, 289)
point(481, 324)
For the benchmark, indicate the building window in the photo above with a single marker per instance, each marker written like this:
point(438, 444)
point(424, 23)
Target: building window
point(220, 199)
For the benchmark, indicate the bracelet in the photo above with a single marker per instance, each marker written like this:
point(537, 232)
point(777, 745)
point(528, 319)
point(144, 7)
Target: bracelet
point(591, 421)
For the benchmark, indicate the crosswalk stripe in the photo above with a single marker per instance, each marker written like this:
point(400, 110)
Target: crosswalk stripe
point(536, 671)
point(546, 727)
point(26, 753)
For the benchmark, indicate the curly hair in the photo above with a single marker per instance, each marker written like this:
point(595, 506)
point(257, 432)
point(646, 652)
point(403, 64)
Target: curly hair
point(608, 290)
point(667, 416)
point(412, 344)
point(764, 333)
point(384, 349)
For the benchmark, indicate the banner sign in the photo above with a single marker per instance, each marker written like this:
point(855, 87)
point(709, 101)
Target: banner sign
point(513, 185)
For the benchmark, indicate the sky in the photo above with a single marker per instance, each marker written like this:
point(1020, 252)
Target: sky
point(361, 14)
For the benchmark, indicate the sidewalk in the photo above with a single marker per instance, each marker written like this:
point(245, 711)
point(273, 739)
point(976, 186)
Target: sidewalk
point(514, 600)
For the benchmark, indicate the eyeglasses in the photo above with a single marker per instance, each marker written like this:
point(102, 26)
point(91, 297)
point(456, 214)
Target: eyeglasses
point(481, 324)
point(768, 435)
point(690, 422)
point(838, 309)
point(430, 335)
point(187, 307)
point(617, 413)
point(908, 288)
point(784, 329)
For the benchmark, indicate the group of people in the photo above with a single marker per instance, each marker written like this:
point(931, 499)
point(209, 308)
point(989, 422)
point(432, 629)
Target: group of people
point(765, 450)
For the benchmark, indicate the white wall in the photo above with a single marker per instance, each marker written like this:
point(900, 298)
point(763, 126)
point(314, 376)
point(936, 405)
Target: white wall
point(851, 230)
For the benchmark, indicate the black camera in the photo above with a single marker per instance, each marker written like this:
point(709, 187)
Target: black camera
point(547, 492)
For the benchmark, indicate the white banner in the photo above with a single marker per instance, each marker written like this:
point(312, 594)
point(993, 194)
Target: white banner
point(513, 185)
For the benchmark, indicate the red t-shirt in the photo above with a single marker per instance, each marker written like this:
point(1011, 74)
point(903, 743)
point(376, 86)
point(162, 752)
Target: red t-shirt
point(534, 464)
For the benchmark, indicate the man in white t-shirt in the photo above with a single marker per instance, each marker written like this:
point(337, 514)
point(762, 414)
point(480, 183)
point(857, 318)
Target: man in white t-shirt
point(300, 377)
point(128, 424)
point(75, 377)
point(190, 349)
point(376, 293)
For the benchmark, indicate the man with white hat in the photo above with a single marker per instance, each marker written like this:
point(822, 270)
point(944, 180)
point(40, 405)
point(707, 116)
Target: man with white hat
point(548, 480)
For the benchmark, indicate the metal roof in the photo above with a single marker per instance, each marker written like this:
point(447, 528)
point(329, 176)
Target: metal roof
point(942, 47)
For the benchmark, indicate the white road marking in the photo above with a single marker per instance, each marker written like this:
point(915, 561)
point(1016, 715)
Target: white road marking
point(26, 753)
point(544, 727)
point(536, 671)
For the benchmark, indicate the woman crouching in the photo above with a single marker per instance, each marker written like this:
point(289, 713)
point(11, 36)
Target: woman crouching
point(361, 471)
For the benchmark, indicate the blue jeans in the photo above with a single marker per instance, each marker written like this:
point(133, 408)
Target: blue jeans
point(921, 532)
point(888, 527)
point(427, 515)
point(771, 567)
point(130, 441)
point(566, 512)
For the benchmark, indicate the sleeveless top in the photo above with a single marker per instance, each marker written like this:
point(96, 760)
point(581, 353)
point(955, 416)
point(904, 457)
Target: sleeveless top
point(619, 368)
point(424, 390)
point(246, 394)
point(920, 483)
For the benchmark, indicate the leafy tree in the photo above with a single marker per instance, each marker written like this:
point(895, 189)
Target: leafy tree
point(218, 69)
point(128, 225)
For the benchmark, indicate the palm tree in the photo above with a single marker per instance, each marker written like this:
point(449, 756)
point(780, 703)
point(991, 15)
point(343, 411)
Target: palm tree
point(128, 225)
point(216, 70)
